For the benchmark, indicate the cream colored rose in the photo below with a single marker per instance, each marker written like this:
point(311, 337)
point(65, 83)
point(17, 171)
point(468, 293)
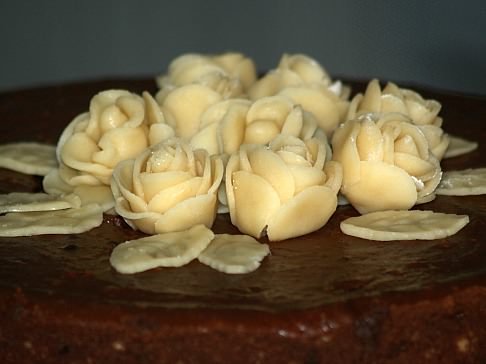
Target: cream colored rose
point(168, 187)
point(227, 124)
point(304, 81)
point(423, 113)
point(386, 162)
point(228, 74)
point(184, 106)
point(284, 190)
point(238, 66)
point(307, 68)
point(222, 127)
point(296, 70)
point(118, 126)
point(328, 109)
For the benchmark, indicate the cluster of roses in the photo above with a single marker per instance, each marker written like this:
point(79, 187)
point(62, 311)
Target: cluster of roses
point(217, 138)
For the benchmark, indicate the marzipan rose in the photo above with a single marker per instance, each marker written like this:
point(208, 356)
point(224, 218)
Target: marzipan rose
point(296, 70)
point(328, 109)
point(423, 113)
point(168, 187)
point(229, 74)
point(222, 126)
point(183, 108)
point(284, 190)
point(305, 82)
point(227, 124)
point(387, 164)
point(239, 66)
point(118, 126)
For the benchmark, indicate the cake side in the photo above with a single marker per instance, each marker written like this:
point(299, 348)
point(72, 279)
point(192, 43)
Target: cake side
point(444, 327)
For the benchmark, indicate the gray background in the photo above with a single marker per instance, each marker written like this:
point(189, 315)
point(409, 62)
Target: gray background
point(436, 43)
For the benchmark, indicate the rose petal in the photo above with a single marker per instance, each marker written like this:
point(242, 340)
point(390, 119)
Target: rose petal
point(345, 151)
point(319, 150)
point(353, 109)
point(153, 113)
point(404, 225)
point(306, 67)
point(306, 176)
point(382, 187)
point(306, 212)
point(203, 159)
point(272, 108)
point(392, 103)
point(101, 195)
point(76, 178)
point(173, 249)
point(78, 149)
point(120, 144)
point(28, 157)
point(310, 126)
point(392, 89)
point(255, 201)
point(232, 166)
point(438, 141)
point(27, 202)
point(143, 221)
point(324, 105)
point(261, 132)
point(232, 128)
point(98, 104)
point(413, 165)
point(371, 101)
point(185, 105)
point(406, 145)
point(273, 82)
point(207, 139)
point(112, 117)
point(153, 183)
point(390, 134)
point(239, 66)
point(403, 127)
point(234, 254)
point(77, 153)
point(171, 196)
point(192, 211)
point(121, 186)
point(244, 163)
point(69, 221)
point(334, 175)
point(459, 146)
point(78, 124)
point(53, 184)
point(216, 112)
point(217, 174)
point(293, 159)
point(269, 166)
point(193, 71)
point(294, 122)
point(369, 142)
point(160, 132)
point(422, 111)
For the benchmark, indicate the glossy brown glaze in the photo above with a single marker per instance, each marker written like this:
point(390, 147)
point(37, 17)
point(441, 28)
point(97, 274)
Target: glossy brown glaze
point(322, 297)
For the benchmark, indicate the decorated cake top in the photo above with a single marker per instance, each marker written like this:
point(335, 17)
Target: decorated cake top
point(277, 153)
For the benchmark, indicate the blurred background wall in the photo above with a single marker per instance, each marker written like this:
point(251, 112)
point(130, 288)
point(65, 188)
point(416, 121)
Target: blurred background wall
point(436, 43)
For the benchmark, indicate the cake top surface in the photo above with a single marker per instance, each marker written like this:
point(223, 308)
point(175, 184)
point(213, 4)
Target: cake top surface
point(324, 267)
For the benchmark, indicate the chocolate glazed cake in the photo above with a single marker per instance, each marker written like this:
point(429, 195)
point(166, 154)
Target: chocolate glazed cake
point(321, 298)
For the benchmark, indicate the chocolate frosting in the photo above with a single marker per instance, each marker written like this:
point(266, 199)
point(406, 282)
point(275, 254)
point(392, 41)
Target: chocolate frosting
point(308, 287)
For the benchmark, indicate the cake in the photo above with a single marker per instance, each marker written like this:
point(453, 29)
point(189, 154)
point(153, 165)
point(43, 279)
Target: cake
point(324, 297)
